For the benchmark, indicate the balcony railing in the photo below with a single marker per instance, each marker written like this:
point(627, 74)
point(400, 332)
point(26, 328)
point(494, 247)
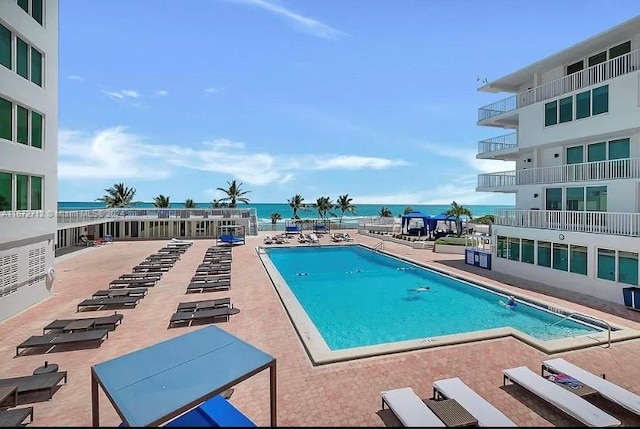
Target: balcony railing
point(626, 224)
point(107, 215)
point(588, 171)
point(507, 141)
point(618, 66)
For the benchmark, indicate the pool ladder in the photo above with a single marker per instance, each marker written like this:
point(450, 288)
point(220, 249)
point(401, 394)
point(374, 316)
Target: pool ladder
point(592, 318)
point(379, 246)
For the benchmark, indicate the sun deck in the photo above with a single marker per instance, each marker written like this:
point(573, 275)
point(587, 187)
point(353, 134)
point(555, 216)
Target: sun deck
point(345, 393)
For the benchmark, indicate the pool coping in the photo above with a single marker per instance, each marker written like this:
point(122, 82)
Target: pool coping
point(320, 353)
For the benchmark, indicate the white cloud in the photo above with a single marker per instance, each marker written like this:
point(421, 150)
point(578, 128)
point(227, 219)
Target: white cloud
point(121, 95)
point(468, 156)
point(74, 77)
point(303, 23)
point(212, 91)
point(161, 93)
point(116, 153)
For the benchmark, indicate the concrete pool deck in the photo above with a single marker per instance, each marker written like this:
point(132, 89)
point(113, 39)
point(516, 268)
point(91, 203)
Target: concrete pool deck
point(338, 394)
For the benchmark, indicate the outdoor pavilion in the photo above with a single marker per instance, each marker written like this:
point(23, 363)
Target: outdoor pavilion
point(152, 386)
point(415, 223)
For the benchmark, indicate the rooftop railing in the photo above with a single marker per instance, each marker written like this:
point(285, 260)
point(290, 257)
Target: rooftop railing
point(107, 215)
point(593, 75)
point(495, 144)
point(624, 224)
point(628, 168)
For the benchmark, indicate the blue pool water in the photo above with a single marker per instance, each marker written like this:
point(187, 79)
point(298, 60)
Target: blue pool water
point(357, 297)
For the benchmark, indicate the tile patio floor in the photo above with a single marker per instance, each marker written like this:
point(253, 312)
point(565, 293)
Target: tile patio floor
point(341, 394)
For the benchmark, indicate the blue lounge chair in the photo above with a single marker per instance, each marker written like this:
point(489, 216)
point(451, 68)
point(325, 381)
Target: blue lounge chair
point(216, 412)
point(231, 239)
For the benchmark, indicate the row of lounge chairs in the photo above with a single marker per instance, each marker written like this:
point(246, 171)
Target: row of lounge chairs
point(214, 274)
point(413, 411)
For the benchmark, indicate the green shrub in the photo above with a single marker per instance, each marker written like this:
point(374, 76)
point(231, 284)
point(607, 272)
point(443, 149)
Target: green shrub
point(452, 241)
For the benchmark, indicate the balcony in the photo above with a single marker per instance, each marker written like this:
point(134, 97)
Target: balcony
point(496, 146)
point(599, 73)
point(585, 172)
point(623, 224)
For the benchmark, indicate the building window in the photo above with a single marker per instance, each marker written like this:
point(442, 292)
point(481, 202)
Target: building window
point(22, 192)
point(578, 259)
point(22, 134)
point(621, 49)
point(22, 62)
point(550, 113)
point(544, 254)
point(597, 152)
point(607, 264)
point(36, 67)
point(560, 257)
point(37, 11)
point(583, 105)
point(628, 268)
point(5, 47)
point(24, 4)
point(597, 58)
point(575, 199)
point(502, 247)
point(6, 194)
point(528, 251)
point(575, 67)
point(5, 119)
point(36, 130)
point(514, 249)
point(600, 100)
point(36, 193)
point(575, 155)
point(553, 199)
point(566, 109)
point(619, 149)
point(596, 199)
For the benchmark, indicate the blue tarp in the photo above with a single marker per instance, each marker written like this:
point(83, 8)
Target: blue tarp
point(150, 386)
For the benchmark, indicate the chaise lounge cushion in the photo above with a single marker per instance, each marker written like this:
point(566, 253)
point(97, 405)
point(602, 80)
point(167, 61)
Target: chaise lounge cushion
point(409, 408)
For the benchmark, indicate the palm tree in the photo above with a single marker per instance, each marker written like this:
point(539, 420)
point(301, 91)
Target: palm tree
point(385, 212)
point(275, 217)
point(345, 206)
point(234, 194)
point(324, 206)
point(296, 203)
point(407, 210)
point(161, 202)
point(216, 204)
point(118, 195)
point(457, 211)
point(189, 204)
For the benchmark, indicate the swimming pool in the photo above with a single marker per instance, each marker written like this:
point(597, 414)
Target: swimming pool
point(356, 298)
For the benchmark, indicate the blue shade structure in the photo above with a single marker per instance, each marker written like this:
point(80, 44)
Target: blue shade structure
point(153, 385)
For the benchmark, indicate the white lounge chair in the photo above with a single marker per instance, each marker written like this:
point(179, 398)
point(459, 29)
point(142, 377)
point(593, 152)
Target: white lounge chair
point(572, 404)
point(607, 389)
point(409, 408)
point(476, 405)
point(314, 238)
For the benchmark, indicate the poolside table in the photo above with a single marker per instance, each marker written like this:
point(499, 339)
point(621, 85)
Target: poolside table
point(7, 392)
point(451, 413)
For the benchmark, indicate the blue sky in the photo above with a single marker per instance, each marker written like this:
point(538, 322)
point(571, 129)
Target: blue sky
point(374, 98)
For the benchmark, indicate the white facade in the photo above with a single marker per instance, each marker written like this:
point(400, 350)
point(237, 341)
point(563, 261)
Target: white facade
point(28, 152)
point(574, 133)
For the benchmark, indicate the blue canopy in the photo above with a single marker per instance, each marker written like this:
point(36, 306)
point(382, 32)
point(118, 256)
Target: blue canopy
point(406, 219)
point(151, 386)
point(432, 222)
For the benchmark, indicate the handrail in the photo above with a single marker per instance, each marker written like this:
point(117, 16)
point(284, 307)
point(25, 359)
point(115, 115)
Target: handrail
point(570, 315)
point(379, 246)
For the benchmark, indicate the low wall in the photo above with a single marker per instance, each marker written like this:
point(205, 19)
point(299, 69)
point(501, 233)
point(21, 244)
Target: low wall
point(449, 248)
point(422, 244)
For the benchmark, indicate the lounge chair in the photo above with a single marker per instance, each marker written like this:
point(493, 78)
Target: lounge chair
point(230, 239)
point(213, 271)
point(181, 242)
point(131, 283)
point(476, 405)
point(35, 383)
point(337, 237)
point(202, 305)
point(209, 286)
point(605, 388)
point(216, 260)
point(215, 313)
point(314, 238)
point(142, 276)
point(107, 322)
point(409, 408)
point(15, 417)
point(52, 340)
point(150, 269)
point(100, 303)
point(216, 412)
point(575, 406)
point(132, 291)
point(204, 278)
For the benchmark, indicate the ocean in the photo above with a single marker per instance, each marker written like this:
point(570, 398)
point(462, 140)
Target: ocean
point(265, 209)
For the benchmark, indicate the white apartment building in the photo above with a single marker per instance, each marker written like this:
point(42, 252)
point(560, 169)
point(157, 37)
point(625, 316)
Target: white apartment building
point(28, 151)
point(574, 133)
